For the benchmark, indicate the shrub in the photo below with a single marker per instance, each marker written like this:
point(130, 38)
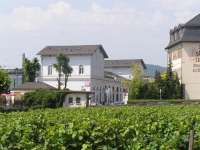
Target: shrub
point(44, 98)
point(2, 100)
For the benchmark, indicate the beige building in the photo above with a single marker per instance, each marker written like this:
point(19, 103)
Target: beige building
point(184, 53)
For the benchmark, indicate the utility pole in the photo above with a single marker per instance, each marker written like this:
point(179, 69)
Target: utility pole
point(160, 93)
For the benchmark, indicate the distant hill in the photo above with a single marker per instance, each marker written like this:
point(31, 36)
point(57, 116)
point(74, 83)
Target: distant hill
point(151, 69)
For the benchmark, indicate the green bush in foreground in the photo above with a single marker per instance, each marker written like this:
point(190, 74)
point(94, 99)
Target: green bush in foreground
point(134, 128)
point(44, 98)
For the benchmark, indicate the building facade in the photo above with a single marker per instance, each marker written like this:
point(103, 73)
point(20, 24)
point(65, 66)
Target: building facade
point(87, 62)
point(123, 67)
point(184, 53)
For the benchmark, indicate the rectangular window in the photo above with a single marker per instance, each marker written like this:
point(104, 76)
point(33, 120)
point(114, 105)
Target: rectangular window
point(70, 100)
point(78, 100)
point(50, 70)
point(81, 69)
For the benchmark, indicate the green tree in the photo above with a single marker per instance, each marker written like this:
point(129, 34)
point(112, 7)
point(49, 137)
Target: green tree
point(178, 87)
point(30, 69)
point(136, 83)
point(62, 66)
point(158, 79)
point(58, 67)
point(67, 70)
point(170, 85)
point(4, 81)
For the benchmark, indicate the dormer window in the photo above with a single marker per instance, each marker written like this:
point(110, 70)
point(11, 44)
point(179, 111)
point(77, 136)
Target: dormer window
point(50, 70)
point(81, 69)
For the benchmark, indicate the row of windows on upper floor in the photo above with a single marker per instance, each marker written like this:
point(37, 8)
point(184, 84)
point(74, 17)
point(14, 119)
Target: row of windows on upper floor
point(80, 71)
point(173, 55)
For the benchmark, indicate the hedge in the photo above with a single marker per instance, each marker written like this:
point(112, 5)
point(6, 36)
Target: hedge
point(44, 99)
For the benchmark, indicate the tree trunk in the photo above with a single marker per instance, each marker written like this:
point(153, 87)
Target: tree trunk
point(66, 80)
point(59, 83)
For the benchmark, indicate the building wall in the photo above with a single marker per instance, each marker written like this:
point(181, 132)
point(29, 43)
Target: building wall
point(125, 72)
point(75, 61)
point(191, 70)
point(97, 65)
point(175, 55)
point(187, 67)
point(83, 100)
point(121, 71)
point(92, 80)
point(76, 81)
point(107, 91)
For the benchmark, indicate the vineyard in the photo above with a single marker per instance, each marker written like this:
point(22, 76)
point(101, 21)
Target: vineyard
point(120, 128)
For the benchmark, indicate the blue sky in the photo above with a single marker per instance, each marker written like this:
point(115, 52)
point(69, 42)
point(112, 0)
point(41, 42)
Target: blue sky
point(127, 29)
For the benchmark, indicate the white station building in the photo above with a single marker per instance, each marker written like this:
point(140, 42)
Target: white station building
point(184, 53)
point(124, 67)
point(89, 73)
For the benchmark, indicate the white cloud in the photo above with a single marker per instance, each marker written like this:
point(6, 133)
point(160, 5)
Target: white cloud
point(125, 30)
point(35, 18)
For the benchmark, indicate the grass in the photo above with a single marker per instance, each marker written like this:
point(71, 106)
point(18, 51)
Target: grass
point(171, 101)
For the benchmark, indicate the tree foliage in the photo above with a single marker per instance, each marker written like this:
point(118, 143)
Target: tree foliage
point(44, 99)
point(62, 66)
point(30, 69)
point(4, 81)
point(167, 83)
point(136, 83)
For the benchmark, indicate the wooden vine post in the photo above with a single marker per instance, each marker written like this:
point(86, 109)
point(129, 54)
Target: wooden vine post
point(191, 140)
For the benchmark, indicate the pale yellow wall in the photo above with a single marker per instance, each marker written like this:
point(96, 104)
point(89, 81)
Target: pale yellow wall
point(190, 79)
point(184, 67)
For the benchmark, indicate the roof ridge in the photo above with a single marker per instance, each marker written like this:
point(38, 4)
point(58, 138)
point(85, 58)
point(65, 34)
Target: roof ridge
point(73, 45)
point(195, 21)
point(72, 49)
point(122, 59)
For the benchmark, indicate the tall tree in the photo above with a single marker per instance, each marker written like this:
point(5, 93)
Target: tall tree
point(137, 82)
point(158, 79)
point(67, 70)
point(30, 69)
point(62, 66)
point(4, 81)
point(58, 67)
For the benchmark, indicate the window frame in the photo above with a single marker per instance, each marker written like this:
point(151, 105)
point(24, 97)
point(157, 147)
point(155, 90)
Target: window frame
point(78, 98)
point(81, 69)
point(50, 70)
point(72, 100)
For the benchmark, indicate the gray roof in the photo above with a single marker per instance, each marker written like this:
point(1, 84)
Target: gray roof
point(111, 75)
point(194, 21)
point(72, 50)
point(34, 86)
point(189, 32)
point(14, 71)
point(123, 63)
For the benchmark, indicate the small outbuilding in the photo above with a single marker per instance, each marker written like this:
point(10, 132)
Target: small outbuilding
point(72, 98)
point(77, 99)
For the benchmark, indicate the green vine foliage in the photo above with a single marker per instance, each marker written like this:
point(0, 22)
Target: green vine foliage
point(4, 81)
point(118, 128)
